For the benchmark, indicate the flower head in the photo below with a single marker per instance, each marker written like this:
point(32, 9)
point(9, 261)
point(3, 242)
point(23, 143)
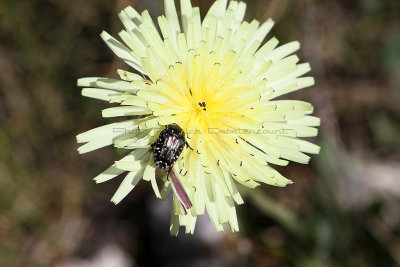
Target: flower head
point(217, 80)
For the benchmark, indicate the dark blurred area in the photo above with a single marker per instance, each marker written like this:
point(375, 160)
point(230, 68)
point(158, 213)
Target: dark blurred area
point(343, 210)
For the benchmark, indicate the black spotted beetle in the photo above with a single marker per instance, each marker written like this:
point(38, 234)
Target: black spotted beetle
point(169, 146)
point(167, 149)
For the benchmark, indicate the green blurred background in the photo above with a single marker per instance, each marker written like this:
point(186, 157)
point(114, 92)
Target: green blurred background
point(343, 210)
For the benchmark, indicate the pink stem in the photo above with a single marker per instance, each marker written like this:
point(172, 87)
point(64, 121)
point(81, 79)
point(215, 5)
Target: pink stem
point(180, 191)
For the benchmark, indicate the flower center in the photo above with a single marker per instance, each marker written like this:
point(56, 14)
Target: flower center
point(202, 93)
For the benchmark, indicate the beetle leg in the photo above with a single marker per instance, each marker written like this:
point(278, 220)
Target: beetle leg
point(188, 145)
point(153, 145)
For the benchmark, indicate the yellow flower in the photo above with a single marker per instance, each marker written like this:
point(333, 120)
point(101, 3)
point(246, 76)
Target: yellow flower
point(216, 80)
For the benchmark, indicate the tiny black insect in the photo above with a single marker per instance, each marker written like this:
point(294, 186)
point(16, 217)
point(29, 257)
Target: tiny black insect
point(167, 149)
